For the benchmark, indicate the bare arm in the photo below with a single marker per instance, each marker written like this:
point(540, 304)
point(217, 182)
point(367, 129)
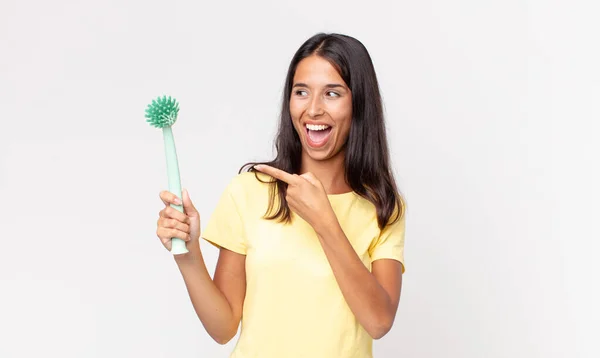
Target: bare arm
point(372, 297)
point(218, 302)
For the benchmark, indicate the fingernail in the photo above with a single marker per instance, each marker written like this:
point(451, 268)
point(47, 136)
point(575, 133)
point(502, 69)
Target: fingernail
point(177, 201)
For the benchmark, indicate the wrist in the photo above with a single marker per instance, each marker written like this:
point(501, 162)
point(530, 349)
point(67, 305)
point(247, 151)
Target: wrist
point(192, 255)
point(327, 226)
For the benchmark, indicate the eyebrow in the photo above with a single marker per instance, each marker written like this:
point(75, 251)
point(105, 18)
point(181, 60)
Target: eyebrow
point(331, 85)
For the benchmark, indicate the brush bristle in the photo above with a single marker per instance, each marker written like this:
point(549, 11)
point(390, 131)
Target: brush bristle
point(162, 112)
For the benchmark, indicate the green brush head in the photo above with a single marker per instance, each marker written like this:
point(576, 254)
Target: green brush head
point(162, 112)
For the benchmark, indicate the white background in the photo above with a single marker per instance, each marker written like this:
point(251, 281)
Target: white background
point(491, 109)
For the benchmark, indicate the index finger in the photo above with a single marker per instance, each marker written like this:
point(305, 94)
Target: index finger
point(169, 198)
point(276, 173)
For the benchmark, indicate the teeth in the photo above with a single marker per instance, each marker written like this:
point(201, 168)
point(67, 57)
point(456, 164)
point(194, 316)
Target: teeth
point(317, 127)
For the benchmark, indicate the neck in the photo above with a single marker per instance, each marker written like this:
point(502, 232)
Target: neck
point(330, 172)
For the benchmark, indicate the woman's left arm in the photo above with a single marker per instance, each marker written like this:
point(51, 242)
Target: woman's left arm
point(372, 297)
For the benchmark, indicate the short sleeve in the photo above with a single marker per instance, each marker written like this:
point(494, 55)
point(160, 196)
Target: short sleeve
point(225, 227)
point(390, 243)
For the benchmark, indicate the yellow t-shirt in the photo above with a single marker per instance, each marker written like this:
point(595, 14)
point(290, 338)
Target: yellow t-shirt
point(294, 307)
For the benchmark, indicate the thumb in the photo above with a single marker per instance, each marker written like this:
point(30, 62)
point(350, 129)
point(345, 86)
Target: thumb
point(189, 208)
point(311, 178)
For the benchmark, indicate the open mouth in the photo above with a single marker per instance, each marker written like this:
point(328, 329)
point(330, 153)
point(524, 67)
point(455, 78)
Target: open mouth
point(317, 134)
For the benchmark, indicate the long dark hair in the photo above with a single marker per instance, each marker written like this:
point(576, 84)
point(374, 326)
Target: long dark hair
point(367, 162)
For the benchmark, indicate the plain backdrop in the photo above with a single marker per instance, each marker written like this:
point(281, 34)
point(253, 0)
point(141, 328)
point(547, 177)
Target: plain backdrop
point(491, 109)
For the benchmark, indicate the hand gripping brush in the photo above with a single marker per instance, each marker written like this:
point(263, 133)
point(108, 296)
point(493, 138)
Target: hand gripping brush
point(162, 113)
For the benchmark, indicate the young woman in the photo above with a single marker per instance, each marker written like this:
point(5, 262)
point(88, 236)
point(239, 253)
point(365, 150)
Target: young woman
point(311, 243)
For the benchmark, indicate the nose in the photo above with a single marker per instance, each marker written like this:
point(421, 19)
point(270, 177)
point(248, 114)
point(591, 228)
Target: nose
point(315, 107)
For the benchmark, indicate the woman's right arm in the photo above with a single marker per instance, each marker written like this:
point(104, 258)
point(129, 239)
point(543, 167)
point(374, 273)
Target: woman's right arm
point(218, 302)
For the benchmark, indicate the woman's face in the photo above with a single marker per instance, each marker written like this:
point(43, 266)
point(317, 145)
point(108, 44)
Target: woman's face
point(321, 108)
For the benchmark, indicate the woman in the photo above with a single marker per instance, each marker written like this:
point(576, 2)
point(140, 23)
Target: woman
point(311, 243)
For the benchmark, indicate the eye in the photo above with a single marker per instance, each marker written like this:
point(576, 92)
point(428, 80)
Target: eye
point(332, 94)
point(300, 93)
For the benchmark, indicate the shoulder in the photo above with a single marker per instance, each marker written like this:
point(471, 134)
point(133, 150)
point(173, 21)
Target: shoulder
point(249, 186)
point(250, 181)
point(365, 209)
